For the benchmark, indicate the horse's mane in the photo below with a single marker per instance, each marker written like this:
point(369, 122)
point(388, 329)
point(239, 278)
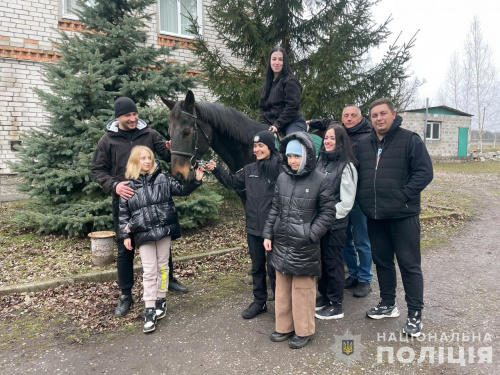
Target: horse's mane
point(226, 120)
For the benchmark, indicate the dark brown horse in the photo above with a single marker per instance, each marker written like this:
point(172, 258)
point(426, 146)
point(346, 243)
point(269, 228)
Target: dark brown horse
point(196, 126)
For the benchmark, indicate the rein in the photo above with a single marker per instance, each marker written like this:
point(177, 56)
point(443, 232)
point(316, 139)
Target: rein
point(194, 143)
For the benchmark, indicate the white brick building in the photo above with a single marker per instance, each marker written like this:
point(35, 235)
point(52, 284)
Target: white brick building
point(26, 30)
point(447, 131)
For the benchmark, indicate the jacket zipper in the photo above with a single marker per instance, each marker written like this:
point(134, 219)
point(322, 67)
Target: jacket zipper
point(375, 176)
point(287, 226)
point(148, 201)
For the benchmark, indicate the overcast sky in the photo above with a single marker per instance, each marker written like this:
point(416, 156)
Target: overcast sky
point(444, 25)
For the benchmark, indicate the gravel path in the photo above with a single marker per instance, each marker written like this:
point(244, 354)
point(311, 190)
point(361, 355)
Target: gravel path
point(461, 294)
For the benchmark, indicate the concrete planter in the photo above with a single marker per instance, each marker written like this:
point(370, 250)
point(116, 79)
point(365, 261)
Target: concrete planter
point(102, 247)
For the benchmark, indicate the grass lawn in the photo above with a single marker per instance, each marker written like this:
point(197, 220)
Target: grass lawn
point(473, 167)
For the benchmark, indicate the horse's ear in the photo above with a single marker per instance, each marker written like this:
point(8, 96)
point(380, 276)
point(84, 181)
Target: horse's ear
point(169, 103)
point(189, 101)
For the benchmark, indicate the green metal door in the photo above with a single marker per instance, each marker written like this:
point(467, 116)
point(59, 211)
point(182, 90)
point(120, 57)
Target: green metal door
point(462, 141)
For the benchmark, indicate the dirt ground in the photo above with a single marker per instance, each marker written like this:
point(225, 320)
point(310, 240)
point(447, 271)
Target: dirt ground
point(461, 323)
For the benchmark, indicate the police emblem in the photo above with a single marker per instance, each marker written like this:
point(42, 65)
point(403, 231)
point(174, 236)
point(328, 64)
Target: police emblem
point(347, 348)
point(256, 138)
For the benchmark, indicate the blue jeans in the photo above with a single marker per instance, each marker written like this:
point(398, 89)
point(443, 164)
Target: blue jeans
point(299, 125)
point(358, 245)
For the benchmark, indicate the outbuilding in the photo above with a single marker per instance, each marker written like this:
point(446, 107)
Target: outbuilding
point(447, 131)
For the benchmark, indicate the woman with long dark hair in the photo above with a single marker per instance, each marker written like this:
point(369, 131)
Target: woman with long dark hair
point(257, 180)
point(280, 96)
point(337, 162)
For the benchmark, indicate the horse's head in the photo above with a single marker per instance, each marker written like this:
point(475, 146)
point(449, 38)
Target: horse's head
point(190, 138)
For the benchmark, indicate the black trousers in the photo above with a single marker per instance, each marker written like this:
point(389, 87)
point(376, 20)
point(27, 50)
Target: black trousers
point(125, 258)
point(400, 237)
point(331, 281)
point(258, 256)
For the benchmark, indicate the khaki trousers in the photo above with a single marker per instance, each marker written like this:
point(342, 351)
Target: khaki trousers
point(295, 304)
point(154, 258)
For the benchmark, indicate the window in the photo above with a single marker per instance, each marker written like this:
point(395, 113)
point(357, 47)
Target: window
point(174, 16)
point(69, 7)
point(433, 130)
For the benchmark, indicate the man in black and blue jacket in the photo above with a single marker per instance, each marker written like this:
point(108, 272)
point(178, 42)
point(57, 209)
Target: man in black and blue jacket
point(394, 167)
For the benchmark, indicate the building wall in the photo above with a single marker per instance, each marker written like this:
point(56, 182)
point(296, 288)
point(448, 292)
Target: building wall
point(447, 145)
point(26, 30)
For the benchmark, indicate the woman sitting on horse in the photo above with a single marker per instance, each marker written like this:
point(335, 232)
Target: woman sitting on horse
point(280, 96)
point(257, 179)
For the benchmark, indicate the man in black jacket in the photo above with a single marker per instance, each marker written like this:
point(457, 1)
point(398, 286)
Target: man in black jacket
point(108, 168)
point(357, 244)
point(394, 167)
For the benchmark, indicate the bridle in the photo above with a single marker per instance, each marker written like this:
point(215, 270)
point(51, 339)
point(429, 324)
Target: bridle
point(194, 142)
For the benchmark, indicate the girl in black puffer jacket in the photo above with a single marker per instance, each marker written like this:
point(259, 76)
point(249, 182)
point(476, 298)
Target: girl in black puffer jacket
point(337, 163)
point(302, 211)
point(150, 218)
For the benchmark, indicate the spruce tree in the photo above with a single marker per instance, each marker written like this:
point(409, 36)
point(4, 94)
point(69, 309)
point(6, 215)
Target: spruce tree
point(327, 43)
point(108, 59)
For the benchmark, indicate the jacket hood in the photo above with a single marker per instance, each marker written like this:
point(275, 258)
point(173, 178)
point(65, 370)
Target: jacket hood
point(112, 126)
point(308, 143)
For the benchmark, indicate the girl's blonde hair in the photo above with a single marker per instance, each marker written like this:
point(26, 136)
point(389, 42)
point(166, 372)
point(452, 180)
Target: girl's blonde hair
point(134, 162)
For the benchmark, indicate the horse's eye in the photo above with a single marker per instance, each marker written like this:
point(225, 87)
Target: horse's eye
point(186, 133)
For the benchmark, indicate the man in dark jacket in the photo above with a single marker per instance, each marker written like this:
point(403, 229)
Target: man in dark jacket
point(108, 168)
point(357, 243)
point(394, 167)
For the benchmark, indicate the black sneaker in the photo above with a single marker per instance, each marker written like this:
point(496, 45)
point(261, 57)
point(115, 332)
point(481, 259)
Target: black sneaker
point(383, 311)
point(330, 311)
point(413, 326)
point(350, 282)
point(321, 301)
point(253, 310)
point(161, 308)
point(149, 320)
point(124, 304)
point(362, 289)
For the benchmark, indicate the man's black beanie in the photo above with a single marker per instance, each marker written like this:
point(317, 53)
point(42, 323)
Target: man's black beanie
point(267, 138)
point(124, 105)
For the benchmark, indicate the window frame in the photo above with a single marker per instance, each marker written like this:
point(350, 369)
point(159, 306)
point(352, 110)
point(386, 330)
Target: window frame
point(431, 131)
point(68, 15)
point(178, 34)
